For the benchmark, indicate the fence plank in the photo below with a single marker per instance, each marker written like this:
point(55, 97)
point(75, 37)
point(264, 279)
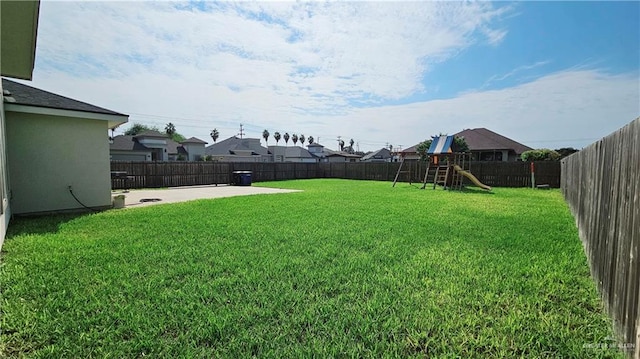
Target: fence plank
point(602, 188)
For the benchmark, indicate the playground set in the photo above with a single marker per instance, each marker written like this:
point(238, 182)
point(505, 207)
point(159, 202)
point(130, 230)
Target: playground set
point(446, 168)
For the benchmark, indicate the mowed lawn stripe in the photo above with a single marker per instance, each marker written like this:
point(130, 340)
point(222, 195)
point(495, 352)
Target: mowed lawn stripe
point(344, 268)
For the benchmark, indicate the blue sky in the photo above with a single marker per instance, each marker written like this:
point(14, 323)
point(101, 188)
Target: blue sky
point(546, 74)
point(546, 37)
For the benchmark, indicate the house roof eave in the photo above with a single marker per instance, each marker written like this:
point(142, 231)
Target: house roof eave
point(19, 29)
point(113, 120)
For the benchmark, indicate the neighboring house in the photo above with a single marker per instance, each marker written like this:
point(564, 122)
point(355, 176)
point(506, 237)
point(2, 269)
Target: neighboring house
point(326, 155)
point(317, 150)
point(381, 155)
point(126, 148)
point(291, 154)
point(486, 145)
point(194, 148)
point(155, 146)
point(411, 153)
point(341, 156)
point(235, 149)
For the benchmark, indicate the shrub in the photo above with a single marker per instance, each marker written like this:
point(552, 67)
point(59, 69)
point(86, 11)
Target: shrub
point(542, 154)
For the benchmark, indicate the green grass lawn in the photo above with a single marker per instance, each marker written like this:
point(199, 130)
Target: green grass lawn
point(343, 269)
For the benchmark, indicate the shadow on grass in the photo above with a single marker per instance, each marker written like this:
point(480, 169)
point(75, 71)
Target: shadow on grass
point(23, 225)
point(429, 186)
point(477, 190)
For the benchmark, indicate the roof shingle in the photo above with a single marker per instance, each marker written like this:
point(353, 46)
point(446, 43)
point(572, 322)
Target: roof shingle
point(31, 96)
point(480, 139)
point(232, 144)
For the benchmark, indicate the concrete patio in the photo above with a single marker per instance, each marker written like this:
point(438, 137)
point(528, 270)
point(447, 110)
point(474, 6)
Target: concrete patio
point(147, 197)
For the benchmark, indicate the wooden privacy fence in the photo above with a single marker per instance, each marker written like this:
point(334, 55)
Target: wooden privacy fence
point(172, 174)
point(494, 174)
point(601, 185)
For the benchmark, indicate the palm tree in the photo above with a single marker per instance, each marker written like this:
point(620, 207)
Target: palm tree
point(170, 129)
point(286, 138)
point(341, 144)
point(294, 138)
point(215, 134)
point(301, 138)
point(310, 139)
point(276, 136)
point(265, 135)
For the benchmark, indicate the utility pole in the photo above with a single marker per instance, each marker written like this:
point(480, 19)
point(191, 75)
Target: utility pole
point(241, 133)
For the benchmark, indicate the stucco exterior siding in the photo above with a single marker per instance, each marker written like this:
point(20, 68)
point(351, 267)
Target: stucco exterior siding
point(46, 154)
point(195, 151)
point(5, 210)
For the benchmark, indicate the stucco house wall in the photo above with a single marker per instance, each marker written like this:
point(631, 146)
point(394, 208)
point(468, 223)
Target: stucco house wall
point(46, 154)
point(19, 28)
point(195, 151)
point(5, 210)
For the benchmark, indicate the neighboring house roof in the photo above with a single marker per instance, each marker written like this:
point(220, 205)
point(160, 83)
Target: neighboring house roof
point(30, 96)
point(412, 149)
point(325, 152)
point(174, 147)
point(127, 143)
point(194, 140)
point(382, 153)
point(330, 153)
point(480, 139)
point(291, 152)
point(152, 133)
point(298, 152)
point(233, 144)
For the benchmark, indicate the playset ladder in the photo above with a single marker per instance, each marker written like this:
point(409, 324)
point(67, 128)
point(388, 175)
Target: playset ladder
point(436, 174)
point(440, 178)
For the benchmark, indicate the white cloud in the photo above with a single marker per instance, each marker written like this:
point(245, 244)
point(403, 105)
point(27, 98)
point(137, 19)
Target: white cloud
point(300, 67)
point(519, 69)
point(571, 108)
point(349, 51)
